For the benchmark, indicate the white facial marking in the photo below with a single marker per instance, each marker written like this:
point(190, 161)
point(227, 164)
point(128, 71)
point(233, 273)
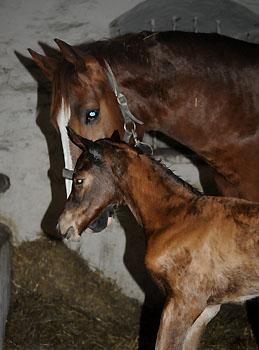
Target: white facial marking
point(63, 119)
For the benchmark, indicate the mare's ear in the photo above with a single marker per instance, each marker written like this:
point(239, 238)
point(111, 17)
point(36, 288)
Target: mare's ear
point(71, 54)
point(86, 65)
point(115, 136)
point(78, 140)
point(47, 64)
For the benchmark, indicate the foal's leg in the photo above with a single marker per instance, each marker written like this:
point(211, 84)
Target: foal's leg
point(177, 318)
point(192, 338)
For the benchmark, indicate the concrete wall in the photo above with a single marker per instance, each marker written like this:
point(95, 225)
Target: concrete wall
point(252, 5)
point(30, 151)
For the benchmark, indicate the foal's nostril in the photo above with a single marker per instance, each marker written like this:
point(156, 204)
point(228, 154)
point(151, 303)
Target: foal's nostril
point(58, 229)
point(69, 232)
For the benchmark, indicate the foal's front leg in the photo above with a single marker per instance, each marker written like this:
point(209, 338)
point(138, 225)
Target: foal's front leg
point(177, 319)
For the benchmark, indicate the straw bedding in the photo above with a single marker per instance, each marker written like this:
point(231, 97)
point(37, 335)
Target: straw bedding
point(58, 303)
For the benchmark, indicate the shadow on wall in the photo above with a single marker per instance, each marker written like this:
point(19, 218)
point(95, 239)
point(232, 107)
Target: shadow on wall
point(58, 194)
point(134, 260)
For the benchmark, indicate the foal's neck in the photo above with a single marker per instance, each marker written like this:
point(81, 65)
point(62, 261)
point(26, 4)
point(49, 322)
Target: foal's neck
point(154, 194)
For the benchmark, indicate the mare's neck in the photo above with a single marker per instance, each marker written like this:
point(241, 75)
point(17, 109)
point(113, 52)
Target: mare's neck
point(176, 97)
point(154, 195)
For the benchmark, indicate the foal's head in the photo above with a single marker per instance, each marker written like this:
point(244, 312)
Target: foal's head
point(94, 186)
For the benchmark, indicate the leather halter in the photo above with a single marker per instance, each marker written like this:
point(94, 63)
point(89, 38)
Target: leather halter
point(123, 103)
point(127, 115)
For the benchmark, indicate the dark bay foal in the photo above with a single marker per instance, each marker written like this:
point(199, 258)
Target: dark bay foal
point(202, 251)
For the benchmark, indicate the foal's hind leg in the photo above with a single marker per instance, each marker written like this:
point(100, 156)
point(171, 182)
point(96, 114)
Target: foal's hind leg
point(193, 335)
point(177, 318)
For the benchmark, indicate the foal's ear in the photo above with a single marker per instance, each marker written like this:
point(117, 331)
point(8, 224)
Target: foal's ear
point(78, 140)
point(115, 136)
point(47, 64)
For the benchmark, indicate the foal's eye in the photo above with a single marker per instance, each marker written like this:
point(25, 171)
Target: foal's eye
point(91, 115)
point(79, 181)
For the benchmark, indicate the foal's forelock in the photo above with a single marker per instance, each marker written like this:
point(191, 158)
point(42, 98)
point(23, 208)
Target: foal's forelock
point(62, 120)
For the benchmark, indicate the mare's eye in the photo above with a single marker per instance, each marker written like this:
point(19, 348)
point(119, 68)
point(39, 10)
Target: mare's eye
point(79, 181)
point(91, 115)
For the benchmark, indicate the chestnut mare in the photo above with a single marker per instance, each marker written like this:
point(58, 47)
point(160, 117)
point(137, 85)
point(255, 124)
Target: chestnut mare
point(200, 89)
point(203, 251)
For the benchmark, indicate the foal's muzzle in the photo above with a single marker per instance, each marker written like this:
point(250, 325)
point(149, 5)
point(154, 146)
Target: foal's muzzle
point(97, 226)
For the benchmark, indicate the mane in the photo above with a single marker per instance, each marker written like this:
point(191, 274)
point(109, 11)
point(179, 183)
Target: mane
point(129, 49)
point(170, 174)
point(64, 76)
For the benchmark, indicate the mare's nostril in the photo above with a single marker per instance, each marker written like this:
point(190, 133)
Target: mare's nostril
point(69, 232)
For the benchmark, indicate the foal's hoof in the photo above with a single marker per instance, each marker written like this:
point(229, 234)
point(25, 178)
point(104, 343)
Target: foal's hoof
point(4, 183)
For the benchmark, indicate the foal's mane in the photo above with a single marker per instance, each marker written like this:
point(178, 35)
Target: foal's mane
point(170, 174)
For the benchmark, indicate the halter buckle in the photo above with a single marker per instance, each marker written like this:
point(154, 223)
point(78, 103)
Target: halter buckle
point(122, 100)
point(128, 133)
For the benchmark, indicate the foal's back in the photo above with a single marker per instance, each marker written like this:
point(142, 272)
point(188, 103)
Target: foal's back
point(215, 243)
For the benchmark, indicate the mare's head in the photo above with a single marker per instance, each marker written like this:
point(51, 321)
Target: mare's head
point(95, 185)
point(82, 99)
point(83, 87)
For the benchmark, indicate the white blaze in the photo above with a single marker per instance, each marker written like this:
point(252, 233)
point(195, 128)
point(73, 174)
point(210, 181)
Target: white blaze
point(63, 119)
